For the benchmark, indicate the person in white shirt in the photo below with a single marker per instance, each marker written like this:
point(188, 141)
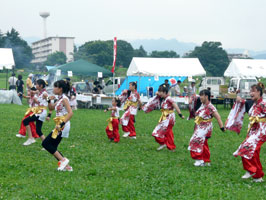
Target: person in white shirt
point(177, 88)
point(12, 82)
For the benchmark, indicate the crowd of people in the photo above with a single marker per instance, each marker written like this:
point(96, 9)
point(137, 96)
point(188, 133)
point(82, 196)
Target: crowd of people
point(249, 150)
point(31, 82)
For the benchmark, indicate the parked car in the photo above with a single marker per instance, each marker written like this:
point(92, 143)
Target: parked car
point(242, 85)
point(213, 83)
point(108, 88)
point(83, 87)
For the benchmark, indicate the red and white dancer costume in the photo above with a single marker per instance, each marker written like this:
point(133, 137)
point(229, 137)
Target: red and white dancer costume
point(131, 107)
point(112, 129)
point(235, 119)
point(249, 150)
point(22, 130)
point(61, 112)
point(163, 132)
point(52, 141)
point(198, 146)
point(42, 104)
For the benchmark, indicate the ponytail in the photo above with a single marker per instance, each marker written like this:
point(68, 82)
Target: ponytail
point(163, 88)
point(259, 87)
point(42, 83)
point(134, 84)
point(65, 85)
point(118, 102)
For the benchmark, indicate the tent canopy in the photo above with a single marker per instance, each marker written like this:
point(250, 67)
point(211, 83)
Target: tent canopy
point(82, 67)
point(246, 68)
point(49, 67)
point(165, 67)
point(6, 58)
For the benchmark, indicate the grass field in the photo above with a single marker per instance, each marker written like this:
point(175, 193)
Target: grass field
point(131, 169)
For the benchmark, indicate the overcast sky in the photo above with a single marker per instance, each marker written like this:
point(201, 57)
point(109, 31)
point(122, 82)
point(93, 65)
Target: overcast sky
point(236, 23)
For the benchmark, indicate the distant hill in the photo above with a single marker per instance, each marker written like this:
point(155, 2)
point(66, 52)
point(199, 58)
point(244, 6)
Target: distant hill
point(260, 56)
point(163, 45)
point(253, 54)
point(183, 47)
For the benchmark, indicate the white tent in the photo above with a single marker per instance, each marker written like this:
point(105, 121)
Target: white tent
point(165, 67)
point(246, 68)
point(6, 58)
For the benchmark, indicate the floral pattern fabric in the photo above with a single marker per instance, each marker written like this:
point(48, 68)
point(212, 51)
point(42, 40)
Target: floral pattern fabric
point(161, 128)
point(131, 110)
point(202, 130)
point(235, 119)
point(256, 134)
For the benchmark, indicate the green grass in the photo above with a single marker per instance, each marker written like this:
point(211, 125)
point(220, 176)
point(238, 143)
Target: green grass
point(131, 169)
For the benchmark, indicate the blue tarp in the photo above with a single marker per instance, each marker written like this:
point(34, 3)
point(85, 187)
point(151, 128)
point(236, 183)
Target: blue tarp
point(50, 67)
point(147, 81)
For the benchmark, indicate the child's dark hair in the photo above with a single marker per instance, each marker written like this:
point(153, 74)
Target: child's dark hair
point(134, 84)
point(65, 85)
point(20, 77)
point(33, 89)
point(163, 89)
point(118, 101)
point(129, 91)
point(42, 83)
point(259, 87)
point(206, 93)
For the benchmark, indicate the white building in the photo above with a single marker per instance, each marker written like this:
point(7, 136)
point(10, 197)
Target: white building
point(42, 48)
point(244, 55)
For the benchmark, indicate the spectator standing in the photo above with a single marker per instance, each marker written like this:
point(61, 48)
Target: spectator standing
point(12, 82)
point(29, 85)
point(20, 86)
point(177, 88)
point(166, 83)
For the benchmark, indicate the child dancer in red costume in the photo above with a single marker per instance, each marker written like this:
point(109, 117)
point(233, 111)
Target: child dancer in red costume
point(112, 129)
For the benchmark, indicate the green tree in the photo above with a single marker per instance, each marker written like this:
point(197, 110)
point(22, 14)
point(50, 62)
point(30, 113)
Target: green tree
point(164, 54)
point(140, 52)
point(75, 49)
point(212, 56)
point(98, 52)
point(125, 53)
point(21, 50)
point(101, 52)
point(2, 39)
point(57, 58)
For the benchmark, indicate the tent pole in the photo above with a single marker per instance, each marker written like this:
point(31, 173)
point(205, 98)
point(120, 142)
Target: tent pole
point(127, 82)
point(139, 84)
point(205, 81)
point(6, 77)
point(113, 84)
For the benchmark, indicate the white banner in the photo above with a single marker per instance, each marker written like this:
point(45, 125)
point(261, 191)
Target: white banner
point(69, 73)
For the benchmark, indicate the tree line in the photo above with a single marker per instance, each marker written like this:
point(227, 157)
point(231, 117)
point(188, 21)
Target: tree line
point(101, 53)
point(211, 54)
